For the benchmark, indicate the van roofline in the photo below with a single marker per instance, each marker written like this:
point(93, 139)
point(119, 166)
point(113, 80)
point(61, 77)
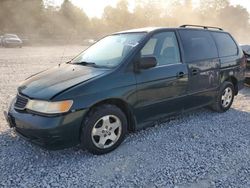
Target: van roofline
point(143, 30)
point(153, 29)
point(201, 26)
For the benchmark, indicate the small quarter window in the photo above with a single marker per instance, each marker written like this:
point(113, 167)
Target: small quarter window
point(149, 47)
point(225, 43)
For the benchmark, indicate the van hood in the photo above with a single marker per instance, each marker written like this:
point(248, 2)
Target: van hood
point(47, 84)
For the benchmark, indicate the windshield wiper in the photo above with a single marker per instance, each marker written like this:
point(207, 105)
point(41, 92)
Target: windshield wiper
point(84, 63)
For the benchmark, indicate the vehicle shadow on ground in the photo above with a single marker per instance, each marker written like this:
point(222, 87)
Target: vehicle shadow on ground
point(11, 139)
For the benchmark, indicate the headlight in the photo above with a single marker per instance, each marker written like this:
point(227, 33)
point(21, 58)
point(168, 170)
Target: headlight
point(49, 107)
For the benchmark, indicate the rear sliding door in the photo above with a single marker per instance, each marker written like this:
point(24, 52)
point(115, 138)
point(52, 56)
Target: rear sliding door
point(201, 56)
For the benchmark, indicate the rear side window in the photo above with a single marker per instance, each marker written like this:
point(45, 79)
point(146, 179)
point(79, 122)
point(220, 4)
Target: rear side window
point(225, 43)
point(198, 45)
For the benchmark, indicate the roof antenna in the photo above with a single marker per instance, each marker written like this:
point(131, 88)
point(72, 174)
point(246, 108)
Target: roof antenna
point(64, 49)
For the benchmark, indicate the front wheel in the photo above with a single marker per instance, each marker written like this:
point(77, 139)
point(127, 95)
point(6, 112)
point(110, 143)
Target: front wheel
point(225, 98)
point(103, 129)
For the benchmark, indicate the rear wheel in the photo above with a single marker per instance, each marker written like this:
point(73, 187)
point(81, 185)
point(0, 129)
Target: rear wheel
point(104, 129)
point(225, 98)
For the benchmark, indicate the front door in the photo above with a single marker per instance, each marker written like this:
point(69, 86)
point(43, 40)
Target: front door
point(160, 89)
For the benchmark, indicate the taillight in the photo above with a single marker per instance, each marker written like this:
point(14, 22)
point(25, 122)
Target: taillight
point(243, 63)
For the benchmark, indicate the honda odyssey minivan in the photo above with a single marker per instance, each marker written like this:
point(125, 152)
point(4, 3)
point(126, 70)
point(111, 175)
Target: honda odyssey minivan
point(126, 82)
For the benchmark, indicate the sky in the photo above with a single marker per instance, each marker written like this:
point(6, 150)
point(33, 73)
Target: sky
point(94, 8)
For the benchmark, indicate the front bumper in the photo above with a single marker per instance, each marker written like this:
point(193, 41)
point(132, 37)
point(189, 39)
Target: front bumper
point(51, 132)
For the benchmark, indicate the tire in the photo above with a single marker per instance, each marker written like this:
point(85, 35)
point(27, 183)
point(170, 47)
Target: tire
point(225, 98)
point(104, 129)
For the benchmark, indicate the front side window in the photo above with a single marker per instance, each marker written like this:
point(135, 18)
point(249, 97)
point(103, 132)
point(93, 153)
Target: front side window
point(109, 51)
point(164, 47)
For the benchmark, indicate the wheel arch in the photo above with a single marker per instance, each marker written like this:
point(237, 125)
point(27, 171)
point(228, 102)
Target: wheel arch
point(124, 106)
point(234, 81)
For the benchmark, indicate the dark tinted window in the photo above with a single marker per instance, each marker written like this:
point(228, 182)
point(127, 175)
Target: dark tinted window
point(198, 45)
point(164, 47)
point(225, 43)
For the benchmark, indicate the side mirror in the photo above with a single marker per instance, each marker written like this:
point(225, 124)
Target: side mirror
point(147, 62)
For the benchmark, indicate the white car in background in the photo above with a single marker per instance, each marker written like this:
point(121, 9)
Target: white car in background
point(1, 37)
point(11, 40)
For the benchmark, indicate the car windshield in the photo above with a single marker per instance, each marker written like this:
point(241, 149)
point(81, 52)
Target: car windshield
point(109, 51)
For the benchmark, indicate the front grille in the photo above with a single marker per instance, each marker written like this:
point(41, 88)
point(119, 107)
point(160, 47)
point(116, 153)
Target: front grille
point(21, 102)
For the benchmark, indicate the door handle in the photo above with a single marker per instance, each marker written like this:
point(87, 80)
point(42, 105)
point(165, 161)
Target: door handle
point(180, 75)
point(195, 71)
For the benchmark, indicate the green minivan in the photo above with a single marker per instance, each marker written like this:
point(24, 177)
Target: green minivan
point(126, 82)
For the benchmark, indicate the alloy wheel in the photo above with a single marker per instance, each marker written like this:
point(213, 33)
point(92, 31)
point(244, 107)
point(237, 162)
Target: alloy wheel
point(106, 131)
point(227, 97)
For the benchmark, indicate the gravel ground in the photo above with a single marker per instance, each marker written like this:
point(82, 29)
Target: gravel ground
point(200, 149)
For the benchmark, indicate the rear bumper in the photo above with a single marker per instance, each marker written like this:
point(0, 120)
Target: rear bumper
point(247, 76)
point(240, 85)
point(247, 73)
point(55, 132)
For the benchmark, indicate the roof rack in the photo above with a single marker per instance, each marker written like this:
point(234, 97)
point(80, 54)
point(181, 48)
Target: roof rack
point(204, 27)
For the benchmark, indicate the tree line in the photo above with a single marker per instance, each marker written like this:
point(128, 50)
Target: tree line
point(40, 19)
